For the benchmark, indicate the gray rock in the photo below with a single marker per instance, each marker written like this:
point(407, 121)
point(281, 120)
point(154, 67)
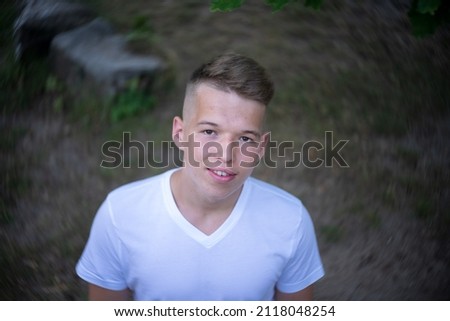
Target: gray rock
point(94, 60)
point(41, 20)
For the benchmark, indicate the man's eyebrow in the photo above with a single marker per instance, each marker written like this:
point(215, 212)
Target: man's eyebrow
point(255, 133)
point(205, 122)
point(209, 123)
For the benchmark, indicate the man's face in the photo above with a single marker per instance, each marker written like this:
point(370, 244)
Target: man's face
point(221, 137)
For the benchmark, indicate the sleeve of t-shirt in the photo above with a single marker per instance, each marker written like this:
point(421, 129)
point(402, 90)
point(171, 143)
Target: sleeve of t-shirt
point(100, 263)
point(305, 265)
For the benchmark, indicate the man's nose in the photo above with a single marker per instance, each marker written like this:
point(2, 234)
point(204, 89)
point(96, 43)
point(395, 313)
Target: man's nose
point(228, 149)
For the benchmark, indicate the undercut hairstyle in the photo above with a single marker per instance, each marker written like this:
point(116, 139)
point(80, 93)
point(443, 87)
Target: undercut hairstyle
point(237, 73)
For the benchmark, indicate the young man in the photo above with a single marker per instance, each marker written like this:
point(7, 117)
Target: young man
point(207, 231)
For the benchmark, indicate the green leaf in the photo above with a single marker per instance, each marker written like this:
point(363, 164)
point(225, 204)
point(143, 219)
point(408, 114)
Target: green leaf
point(277, 5)
point(315, 4)
point(428, 6)
point(225, 5)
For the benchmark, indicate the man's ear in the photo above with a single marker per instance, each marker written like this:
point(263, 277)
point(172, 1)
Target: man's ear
point(177, 131)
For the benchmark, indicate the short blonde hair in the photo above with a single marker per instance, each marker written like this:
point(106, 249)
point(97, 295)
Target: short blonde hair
point(237, 73)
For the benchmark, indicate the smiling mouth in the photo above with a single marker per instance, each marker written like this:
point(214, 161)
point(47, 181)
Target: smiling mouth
point(222, 173)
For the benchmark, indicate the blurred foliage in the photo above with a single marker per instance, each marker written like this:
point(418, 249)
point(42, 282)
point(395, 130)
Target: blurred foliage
point(427, 6)
point(141, 29)
point(17, 89)
point(131, 102)
point(425, 15)
point(229, 5)
point(225, 5)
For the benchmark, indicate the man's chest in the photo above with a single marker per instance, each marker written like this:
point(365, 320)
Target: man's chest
point(179, 268)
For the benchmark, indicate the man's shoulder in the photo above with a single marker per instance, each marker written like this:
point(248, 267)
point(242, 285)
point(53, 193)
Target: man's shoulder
point(139, 192)
point(127, 202)
point(138, 186)
point(269, 191)
point(275, 209)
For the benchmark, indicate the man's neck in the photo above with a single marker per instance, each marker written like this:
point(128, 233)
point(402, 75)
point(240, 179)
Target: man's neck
point(206, 214)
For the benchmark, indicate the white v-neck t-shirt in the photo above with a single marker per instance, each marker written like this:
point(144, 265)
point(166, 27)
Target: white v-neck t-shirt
point(140, 240)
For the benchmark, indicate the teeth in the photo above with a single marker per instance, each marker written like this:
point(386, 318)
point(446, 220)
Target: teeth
point(221, 173)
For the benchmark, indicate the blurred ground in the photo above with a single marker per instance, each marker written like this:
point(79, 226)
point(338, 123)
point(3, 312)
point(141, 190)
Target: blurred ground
point(354, 69)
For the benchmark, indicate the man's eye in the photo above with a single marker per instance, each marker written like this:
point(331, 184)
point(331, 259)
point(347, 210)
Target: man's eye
point(246, 139)
point(208, 132)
